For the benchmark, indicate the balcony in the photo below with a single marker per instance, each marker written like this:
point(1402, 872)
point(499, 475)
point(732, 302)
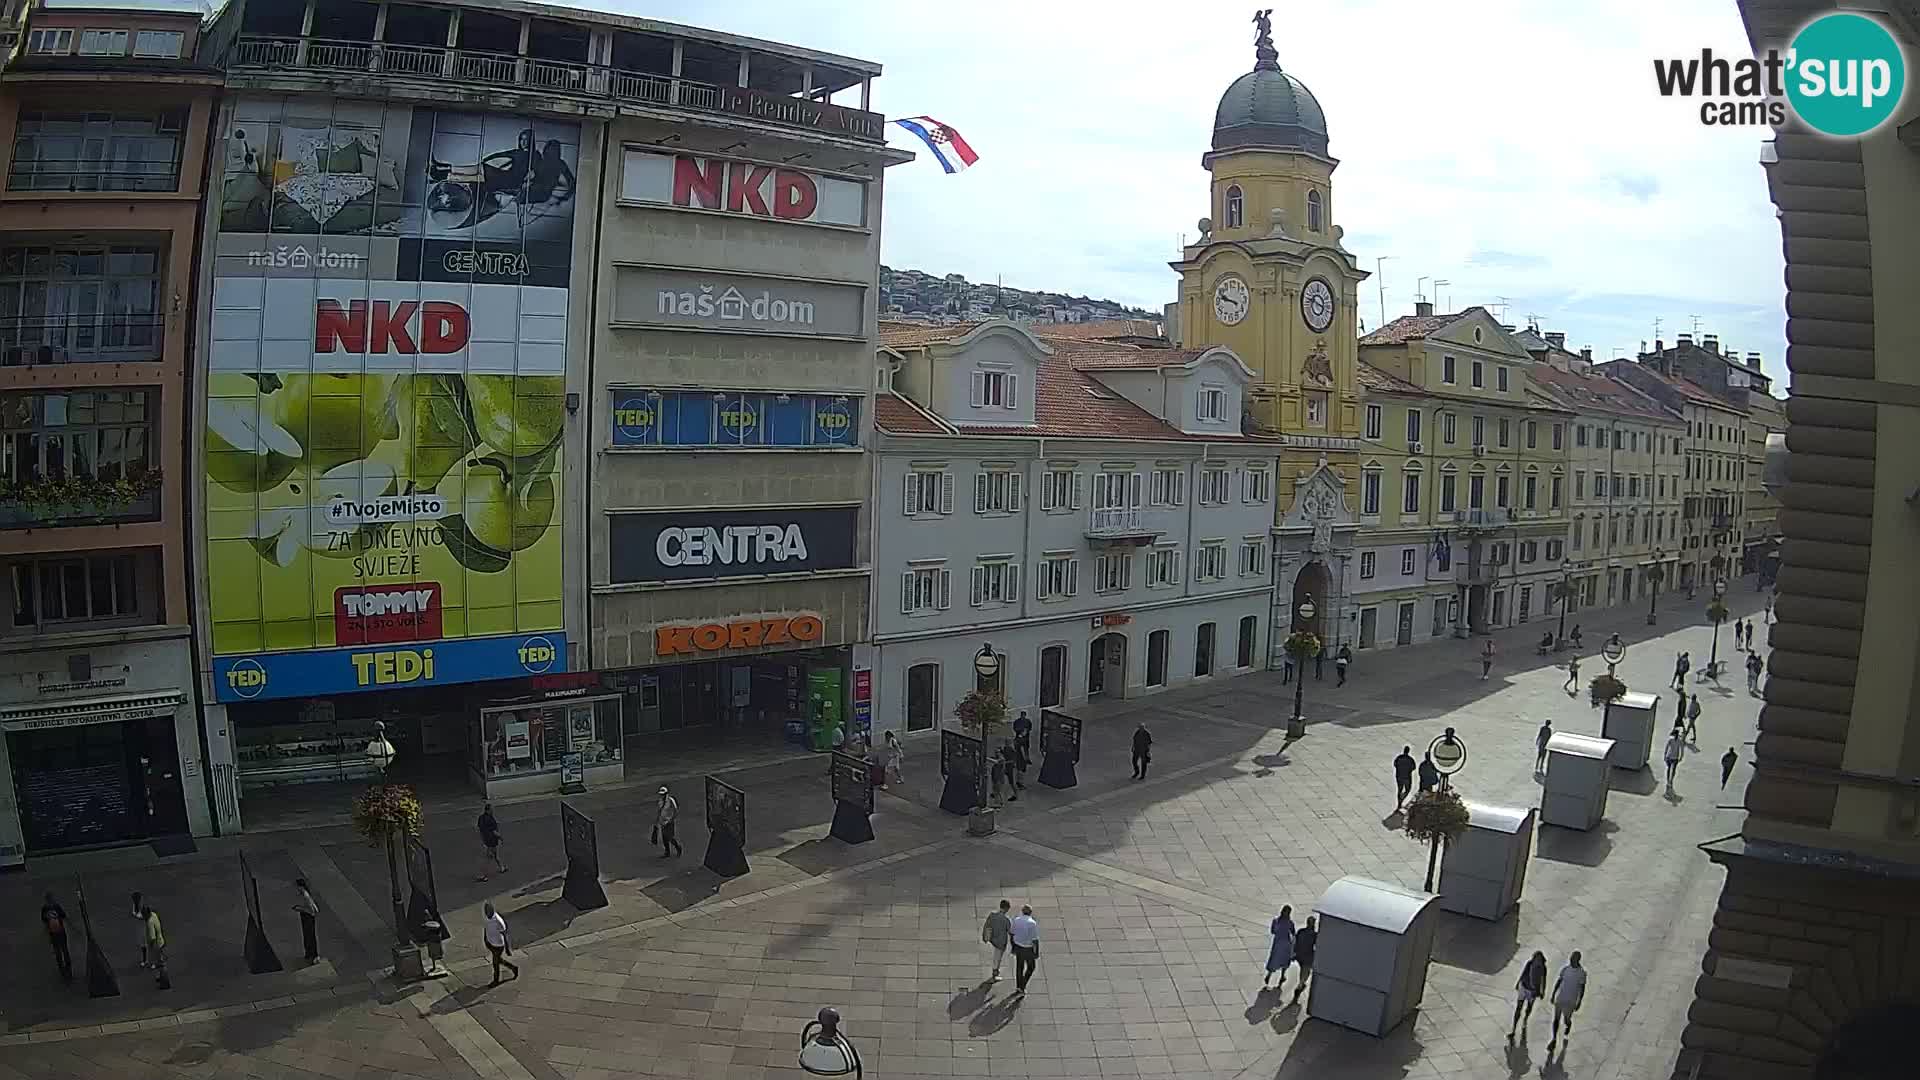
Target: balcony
point(477, 68)
point(82, 339)
point(1120, 526)
point(111, 151)
point(1475, 571)
point(1480, 519)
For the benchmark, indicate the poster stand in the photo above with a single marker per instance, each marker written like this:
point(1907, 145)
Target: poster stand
point(726, 829)
point(577, 832)
point(852, 798)
point(261, 958)
point(1059, 749)
point(963, 761)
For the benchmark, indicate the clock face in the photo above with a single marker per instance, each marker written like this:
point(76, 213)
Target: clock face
point(1316, 305)
point(1231, 301)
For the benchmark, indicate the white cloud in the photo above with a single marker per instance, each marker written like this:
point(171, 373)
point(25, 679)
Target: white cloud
point(1520, 128)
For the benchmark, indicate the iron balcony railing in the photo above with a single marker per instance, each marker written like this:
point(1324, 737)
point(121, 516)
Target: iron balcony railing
point(85, 174)
point(552, 77)
point(81, 339)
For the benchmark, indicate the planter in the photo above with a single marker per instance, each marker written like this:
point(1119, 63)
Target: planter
point(980, 821)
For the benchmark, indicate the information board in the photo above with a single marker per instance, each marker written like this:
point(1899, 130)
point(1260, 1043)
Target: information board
point(853, 780)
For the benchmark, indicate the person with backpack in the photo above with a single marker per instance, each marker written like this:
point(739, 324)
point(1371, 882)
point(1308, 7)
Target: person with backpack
point(1572, 686)
point(1304, 941)
point(1340, 663)
point(1540, 746)
point(54, 918)
point(1429, 773)
point(1569, 990)
point(1529, 989)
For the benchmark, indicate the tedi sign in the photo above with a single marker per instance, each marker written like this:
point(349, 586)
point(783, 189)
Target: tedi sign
point(749, 188)
point(683, 545)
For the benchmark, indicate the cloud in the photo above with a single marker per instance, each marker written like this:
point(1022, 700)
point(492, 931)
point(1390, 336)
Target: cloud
point(1506, 259)
point(1640, 187)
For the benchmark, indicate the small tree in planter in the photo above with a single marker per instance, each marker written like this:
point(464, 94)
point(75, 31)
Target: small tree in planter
point(383, 814)
point(1435, 817)
point(1606, 689)
point(982, 714)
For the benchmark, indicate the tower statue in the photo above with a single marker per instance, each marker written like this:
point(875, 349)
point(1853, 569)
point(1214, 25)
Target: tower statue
point(1266, 57)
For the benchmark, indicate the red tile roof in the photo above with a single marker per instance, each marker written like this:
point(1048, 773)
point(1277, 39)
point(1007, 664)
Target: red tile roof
point(1071, 404)
point(909, 335)
point(1372, 378)
point(1682, 387)
point(1582, 393)
point(1409, 327)
point(902, 417)
point(1097, 329)
point(1112, 356)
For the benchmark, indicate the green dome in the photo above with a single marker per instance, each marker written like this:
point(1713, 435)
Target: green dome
point(1267, 107)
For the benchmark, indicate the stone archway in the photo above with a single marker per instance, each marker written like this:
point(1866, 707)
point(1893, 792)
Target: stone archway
point(1876, 1044)
point(1312, 580)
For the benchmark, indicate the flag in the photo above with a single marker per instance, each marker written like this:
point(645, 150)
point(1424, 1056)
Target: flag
point(946, 145)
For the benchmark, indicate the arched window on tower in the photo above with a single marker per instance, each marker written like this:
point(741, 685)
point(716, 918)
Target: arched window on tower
point(1316, 213)
point(1236, 208)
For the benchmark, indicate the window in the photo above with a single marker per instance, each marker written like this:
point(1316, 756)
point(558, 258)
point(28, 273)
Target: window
point(925, 589)
point(1259, 482)
point(1529, 550)
point(995, 388)
point(995, 581)
point(1447, 374)
point(1370, 492)
point(1555, 550)
point(1366, 565)
point(1059, 575)
point(1616, 487)
point(58, 41)
point(1236, 210)
point(1599, 485)
point(1476, 492)
point(923, 697)
point(96, 151)
point(1113, 573)
point(55, 436)
point(1253, 558)
point(1168, 488)
point(1479, 431)
point(1373, 421)
point(1502, 490)
point(1440, 616)
point(1646, 528)
point(1553, 493)
point(1214, 487)
point(1410, 493)
point(1443, 558)
point(1613, 531)
point(1533, 435)
point(1409, 560)
point(996, 491)
point(1618, 442)
point(1163, 567)
point(1500, 378)
point(1579, 483)
point(1213, 403)
point(1210, 561)
point(50, 592)
point(697, 418)
point(1059, 490)
point(1413, 426)
point(1503, 432)
point(1498, 553)
point(1316, 409)
point(1115, 490)
point(105, 43)
point(1157, 658)
point(929, 493)
point(1556, 437)
point(1446, 493)
point(158, 44)
point(1633, 487)
point(1580, 435)
point(1249, 629)
point(1530, 492)
point(1447, 432)
point(1479, 376)
point(1596, 532)
point(1579, 530)
point(68, 304)
point(1316, 213)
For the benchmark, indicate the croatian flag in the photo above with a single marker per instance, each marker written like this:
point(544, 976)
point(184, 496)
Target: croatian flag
point(948, 148)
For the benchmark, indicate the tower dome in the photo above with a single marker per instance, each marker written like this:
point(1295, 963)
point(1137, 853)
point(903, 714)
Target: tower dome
point(1267, 107)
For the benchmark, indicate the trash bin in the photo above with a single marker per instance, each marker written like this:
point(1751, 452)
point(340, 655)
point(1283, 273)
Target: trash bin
point(1630, 723)
point(1485, 868)
point(1370, 967)
point(1575, 794)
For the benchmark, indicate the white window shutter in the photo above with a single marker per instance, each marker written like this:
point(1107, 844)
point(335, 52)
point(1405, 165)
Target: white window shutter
point(1013, 580)
point(946, 588)
point(1180, 487)
point(1012, 395)
point(1174, 576)
point(976, 584)
point(906, 593)
point(1013, 491)
point(979, 388)
point(1078, 485)
point(1133, 491)
point(1040, 581)
point(1073, 576)
point(946, 494)
point(1047, 493)
point(910, 503)
point(979, 493)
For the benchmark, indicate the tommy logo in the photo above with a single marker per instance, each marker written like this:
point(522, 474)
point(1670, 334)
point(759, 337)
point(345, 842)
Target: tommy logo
point(376, 615)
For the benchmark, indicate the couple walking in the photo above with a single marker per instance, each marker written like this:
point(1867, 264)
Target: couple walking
point(1290, 946)
point(1569, 990)
point(1020, 932)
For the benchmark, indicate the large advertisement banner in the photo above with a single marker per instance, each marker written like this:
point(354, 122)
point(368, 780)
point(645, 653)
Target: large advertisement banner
point(386, 394)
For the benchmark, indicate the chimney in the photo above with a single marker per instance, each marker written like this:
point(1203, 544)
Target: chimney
point(1685, 341)
point(1556, 339)
point(1423, 307)
point(1753, 361)
point(1586, 354)
point(1711, 343)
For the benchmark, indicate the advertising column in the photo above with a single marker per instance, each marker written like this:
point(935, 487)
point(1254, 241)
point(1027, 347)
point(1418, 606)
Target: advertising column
point(386, 398)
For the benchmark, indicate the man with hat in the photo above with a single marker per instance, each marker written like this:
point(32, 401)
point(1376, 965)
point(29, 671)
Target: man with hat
point(666, 814)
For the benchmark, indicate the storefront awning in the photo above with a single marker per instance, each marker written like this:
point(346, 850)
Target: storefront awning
point(108, 709)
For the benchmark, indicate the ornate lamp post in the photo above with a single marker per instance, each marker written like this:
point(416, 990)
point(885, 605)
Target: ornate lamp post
point(1449, 755)
point(381, 753)
point(986, 668)
point(1612, 652)
point(826, 1052)
point(1655, 575)
point(383, 814)
point(1717, 613)
point(1297, 725)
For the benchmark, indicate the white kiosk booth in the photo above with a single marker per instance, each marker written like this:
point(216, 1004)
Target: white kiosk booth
point(1630, 723)
point(1575, 795)
point(1371, 961)
point(1486, 867)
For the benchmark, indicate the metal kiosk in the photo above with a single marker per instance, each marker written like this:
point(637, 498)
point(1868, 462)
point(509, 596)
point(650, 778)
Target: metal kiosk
point(1630, 723)
point(1575, 795)
point(1375, 942)
point(1486, 867)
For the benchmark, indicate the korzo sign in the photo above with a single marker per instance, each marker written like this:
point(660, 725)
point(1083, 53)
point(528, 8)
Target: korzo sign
point(683, 545)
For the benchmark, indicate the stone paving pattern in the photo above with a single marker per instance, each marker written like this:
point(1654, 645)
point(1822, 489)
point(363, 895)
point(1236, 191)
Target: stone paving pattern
point(1153, 899)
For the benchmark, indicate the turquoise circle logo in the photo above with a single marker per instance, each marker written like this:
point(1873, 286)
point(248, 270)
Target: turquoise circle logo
point(1846, 74)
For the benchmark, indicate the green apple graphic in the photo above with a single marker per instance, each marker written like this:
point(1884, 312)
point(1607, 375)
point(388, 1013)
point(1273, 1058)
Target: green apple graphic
point(336, 418)
point(246, 450)
point(502, 515)
point(519, 416)
point(284, 531)
point(433, 426)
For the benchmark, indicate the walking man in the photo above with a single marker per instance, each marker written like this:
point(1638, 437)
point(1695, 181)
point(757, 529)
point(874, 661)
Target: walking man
point(498, 943)
point(156, 947)
point(1486, 660)
point(309, 916)
point(1573, 677)
point(1319, 659)
point(489, 827)
point(1676, 749)
point(1429, 774)
point(1304, 941)
point(1023, 741)
point(54, 918)
point(1753, 673)
point(1693, 720)
point(1281, 953)
point(1540, 747)
point(666, 815)
point(1142, 750)
point(1679, 671)
point(1286, 670)
point(1025, 934)
point(1568, 991)
point(1680, 709)
point(998, 932)
point(1403, 767)
point(1727, 761)
point(1530, 988)
point(1340, 663)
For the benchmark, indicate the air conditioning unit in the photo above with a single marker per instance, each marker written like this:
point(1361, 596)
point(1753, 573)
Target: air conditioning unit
point(1414, 447)
point(1480, 451)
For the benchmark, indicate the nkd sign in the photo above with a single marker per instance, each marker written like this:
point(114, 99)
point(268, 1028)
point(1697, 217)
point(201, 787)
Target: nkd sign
point(742, 187)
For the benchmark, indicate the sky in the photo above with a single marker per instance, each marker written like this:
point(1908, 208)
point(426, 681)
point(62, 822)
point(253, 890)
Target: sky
point(1516, 149)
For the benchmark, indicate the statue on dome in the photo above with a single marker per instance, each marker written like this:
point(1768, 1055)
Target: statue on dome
point(1265, 55)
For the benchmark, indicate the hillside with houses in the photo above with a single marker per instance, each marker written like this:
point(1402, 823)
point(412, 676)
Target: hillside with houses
point(917, 296)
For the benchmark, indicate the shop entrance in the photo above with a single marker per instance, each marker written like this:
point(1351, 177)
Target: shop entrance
point(1107, 666)
point(799, 697)
point(92, 785)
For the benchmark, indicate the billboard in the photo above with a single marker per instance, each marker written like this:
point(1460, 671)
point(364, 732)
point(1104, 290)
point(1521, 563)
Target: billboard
point(693, 418)
point(736, 303)
point(386, 387)
point(682, 545)
point(748, 188)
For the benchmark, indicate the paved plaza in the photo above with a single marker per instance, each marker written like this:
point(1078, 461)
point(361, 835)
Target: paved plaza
point(1153, 899)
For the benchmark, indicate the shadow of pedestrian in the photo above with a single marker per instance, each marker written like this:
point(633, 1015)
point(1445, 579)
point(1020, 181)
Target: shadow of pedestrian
point(683, 890)
point(1518, 1059)
point(1674, 797)
point(1394, 821)
point(1634, 781)
point(1269, 762)
point(969, 1001)
point(1287, 1017)
point(541, 885)
point(1477, 944)
point(1264, 1004)
point(536, 922)
point(995, 1016)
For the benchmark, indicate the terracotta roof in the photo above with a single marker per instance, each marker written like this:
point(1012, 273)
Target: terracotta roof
point(908, 335)
point(1682, 387)
point(1097, 329)
point(1581, 393)
point(1113, 356)
point(1070, 404)
point(896, 414)
point(1409, 327)
point(1372, 378)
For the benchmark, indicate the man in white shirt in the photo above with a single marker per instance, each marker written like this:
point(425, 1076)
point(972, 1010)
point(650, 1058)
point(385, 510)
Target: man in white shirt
point(1568, 991)
point(498, 943)
point(666, 816)
point(1026, 948)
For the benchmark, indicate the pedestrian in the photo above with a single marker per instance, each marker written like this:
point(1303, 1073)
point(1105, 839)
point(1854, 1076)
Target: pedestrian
point(1679, 671)
point(1573, 677)
point(1727, 761)
point(1429, 773)
point(54, 918)
point(895, 756)
point(1753, 673)
point(1319, 658)
point(997, 775)
point(499, 944)
point(998, 932)
point(1403, 767)
point(1486, 660)
point(1340, 663)
point(1025, 935)
point(1016, 767)
point(490, 839)
point(1742, 636)
point(1532, 984)
point(309, 917)
point(1680, 709)
point(1304, 941)
point(1568, 991)
point(1693, 720)
point(1286, 670)
point(1281, 952)
point(1540, 747)
point(1676, 749)
point(1575, 636)
point(1023, 741)
point(666, 815)
point(140, 926)
point(1142, 750)
point(156, 946)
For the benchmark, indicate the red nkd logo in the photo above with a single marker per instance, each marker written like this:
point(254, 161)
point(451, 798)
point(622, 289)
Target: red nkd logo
point(742, 188)
point(376, 615)
point(397, 326)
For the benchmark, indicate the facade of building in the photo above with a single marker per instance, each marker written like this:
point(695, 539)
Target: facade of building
point(103, 121)
point(460, 348)
point(1812, 965)
point(1091, 512)
point(1760, 527)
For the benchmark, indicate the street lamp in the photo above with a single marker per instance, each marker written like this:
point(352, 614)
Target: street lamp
point(1297, 726)
point(1449, 755)
point(986, 667)
point(381, 753)
point(1655, 575)
point(1612, 652)
point(826, 1052)
point(1717, 612)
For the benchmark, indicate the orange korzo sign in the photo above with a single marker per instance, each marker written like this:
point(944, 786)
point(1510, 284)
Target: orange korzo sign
point(753, 633)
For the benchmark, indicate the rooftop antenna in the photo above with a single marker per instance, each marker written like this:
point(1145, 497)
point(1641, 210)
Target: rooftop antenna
point(1420, 289)
point(1656, 333)
point(1501, 303)
point(1380, 279)
point(1436, 292)
point(1533, 320)
point(1696, 324)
